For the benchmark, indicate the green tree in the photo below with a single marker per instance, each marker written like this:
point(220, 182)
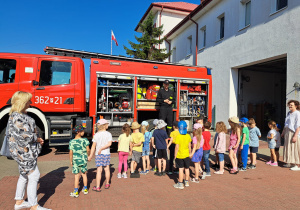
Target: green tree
point(148, 42)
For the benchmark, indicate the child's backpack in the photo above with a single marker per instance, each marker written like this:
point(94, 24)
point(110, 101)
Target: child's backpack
point(147, 139)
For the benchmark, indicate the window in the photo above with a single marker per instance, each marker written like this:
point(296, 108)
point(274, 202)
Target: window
point(55, 73)
point(203, 37)
point(281, 4)
point(222, 27)
point(174, 55)
point(248, 13)
point(189, 50)
point(7, 70)
point(277, 5)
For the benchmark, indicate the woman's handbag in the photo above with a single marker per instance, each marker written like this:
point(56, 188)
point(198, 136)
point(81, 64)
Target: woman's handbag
point(5, 147)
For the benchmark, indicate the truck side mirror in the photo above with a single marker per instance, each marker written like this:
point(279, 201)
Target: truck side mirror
point(35, 83)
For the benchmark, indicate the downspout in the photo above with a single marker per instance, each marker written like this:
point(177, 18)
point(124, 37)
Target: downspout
point(196, 53)
point(162, 8)
point(169, 49)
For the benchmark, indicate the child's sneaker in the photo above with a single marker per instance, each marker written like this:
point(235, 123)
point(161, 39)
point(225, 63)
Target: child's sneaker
point(243, 169)
point(74, 194)
point(194, 180)
point(203, 175)
point(85, 191)
point(23, 205)
point(287, 165)
point(252, 167)
point(269, 162)
point(170, 172)
point(154, 169)
point(274, 164)
point(119, 175)
point(163, 173)
point(147, 171)
point(207, 174)
point(179, 186)
point(143, 172)
point(186, 183)
point(124, 175)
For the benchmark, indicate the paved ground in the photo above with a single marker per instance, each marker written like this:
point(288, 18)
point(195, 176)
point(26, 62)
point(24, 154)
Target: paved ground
point(263, 188)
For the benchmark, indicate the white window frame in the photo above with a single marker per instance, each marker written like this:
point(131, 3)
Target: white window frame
point(219, 24)
point(174, 55)
point(274, 6)
point(203, 37)
point(243, 14)
point(189, 45)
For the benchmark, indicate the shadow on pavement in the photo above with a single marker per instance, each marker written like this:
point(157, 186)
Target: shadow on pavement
point(92, 173)
point(49, 183)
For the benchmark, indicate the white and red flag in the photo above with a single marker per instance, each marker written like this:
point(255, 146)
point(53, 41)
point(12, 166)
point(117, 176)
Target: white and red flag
point(113, 38)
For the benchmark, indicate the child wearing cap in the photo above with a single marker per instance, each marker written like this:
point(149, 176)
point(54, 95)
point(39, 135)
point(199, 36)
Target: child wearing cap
point(235, 137)
point(136, 146)
point(101, 146)
point(79, 151)
point(254, 135)
point(171, 146)
point(278, 141)
point(154, 169)
point(146, 147)
point(182, 153)
point(160, 144)
point(244, 146)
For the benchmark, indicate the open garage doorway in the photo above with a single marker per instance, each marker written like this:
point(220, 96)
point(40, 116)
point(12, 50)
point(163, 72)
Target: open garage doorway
point(262, 92)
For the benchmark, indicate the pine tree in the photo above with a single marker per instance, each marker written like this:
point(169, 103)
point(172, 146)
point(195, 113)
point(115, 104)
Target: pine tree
point(147, 44)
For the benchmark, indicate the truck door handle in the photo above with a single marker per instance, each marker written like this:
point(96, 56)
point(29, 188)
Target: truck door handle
point(41, 88)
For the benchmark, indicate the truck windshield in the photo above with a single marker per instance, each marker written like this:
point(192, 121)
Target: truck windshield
point(55, 73)
point(7, 70)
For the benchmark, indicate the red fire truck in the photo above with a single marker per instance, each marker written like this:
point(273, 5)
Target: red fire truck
point(122, 90)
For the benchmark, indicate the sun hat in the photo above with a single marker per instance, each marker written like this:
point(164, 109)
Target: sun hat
point(145, 123)
point(155, 122)
point(234, 120)
point(78, 128)
point(161, 124)
point(244, 120)
point(135, 125)
point(182, 127)
point(197, 125)
point(102, 122)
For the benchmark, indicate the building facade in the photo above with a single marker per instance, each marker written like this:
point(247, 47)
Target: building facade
point(253, 48)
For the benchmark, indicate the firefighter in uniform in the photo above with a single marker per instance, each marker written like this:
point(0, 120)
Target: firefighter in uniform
point(166, 99)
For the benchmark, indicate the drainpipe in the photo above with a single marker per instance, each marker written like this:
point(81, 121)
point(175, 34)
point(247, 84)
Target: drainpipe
point(162, 8)
point(196, 53)
point(169, 49)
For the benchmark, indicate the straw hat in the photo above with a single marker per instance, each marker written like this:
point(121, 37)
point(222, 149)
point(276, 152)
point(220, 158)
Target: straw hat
point(234, 120)
point(135, 125)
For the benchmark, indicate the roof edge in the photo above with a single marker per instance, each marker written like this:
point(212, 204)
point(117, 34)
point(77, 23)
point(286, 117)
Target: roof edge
point(161, 6)
point(203, 4)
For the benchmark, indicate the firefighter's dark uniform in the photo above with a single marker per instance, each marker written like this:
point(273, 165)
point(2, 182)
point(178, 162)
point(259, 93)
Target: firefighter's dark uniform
point(166, 110)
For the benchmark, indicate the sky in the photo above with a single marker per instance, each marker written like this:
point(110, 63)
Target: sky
point(29, 26)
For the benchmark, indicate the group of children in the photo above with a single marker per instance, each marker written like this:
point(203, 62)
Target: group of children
point(182, 150)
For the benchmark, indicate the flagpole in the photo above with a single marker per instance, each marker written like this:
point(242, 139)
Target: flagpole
point(111, 42)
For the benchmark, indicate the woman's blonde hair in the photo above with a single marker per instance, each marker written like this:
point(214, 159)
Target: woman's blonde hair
point(19, 101)
point(198, 134)
point(221, 127)
point(144, 129)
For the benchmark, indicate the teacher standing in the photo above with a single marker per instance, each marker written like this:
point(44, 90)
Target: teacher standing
point(166, 99)
point(291, 134)
point(25, 146)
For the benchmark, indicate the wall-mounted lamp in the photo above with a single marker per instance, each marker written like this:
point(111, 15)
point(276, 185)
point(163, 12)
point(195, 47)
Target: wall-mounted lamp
point(296, 85)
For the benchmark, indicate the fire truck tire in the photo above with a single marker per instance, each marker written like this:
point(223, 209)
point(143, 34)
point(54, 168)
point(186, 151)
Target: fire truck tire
point(151, 126)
